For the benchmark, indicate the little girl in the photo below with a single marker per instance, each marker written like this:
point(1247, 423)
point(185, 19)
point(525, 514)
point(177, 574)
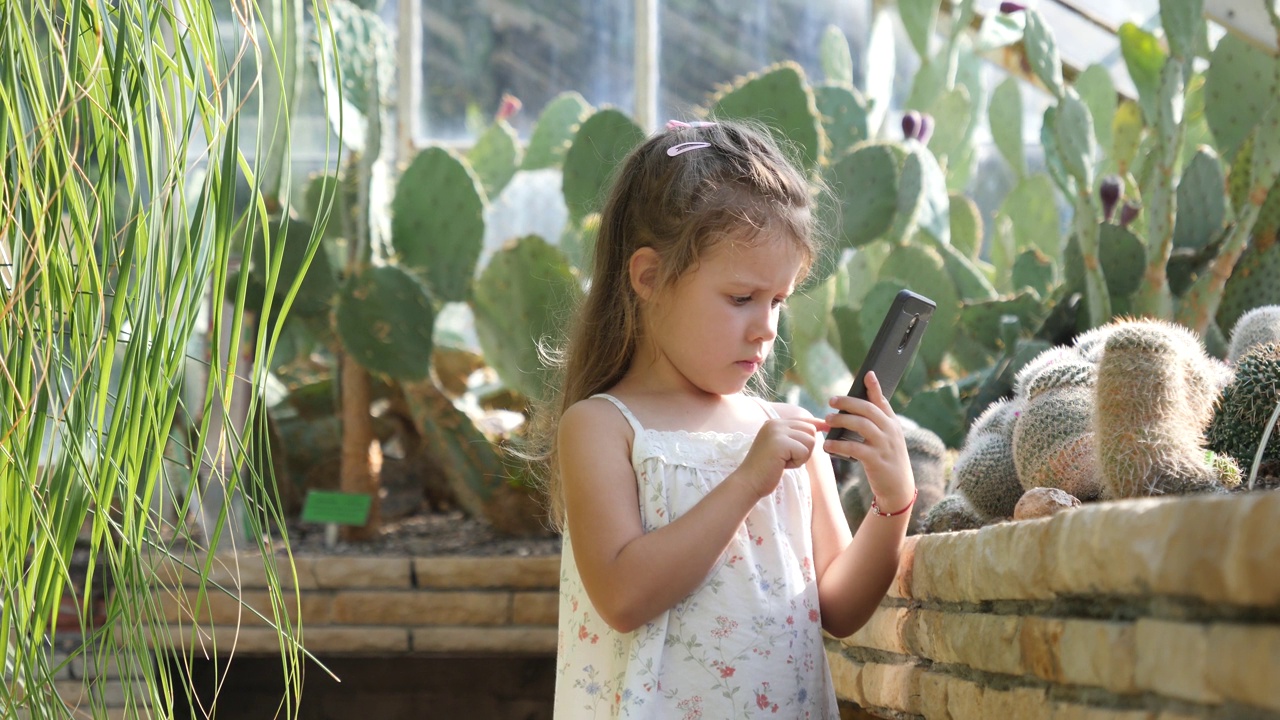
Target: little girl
point(704, 545)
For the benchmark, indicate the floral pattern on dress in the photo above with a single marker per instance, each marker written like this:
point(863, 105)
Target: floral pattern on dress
point(747, 643)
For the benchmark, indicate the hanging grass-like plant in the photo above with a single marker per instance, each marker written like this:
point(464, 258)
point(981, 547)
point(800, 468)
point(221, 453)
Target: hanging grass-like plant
point(120, 234)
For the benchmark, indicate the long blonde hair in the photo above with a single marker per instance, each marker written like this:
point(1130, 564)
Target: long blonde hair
point(679, 205)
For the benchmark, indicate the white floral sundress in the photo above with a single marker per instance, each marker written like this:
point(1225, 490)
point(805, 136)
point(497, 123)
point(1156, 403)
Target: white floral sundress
point(747, 643)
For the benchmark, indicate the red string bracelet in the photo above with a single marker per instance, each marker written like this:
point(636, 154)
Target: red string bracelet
point(875, 507)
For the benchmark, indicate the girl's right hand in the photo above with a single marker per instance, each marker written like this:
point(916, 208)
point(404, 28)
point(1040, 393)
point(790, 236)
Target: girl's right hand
point(782, 444)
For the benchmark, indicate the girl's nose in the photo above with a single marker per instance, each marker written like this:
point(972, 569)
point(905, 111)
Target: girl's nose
point(764, 326)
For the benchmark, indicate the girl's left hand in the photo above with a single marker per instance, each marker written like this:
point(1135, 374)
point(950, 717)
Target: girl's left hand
point(882, 452)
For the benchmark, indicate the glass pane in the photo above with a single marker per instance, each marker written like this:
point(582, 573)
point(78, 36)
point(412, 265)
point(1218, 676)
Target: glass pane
point(475, 52)
point(705, 44)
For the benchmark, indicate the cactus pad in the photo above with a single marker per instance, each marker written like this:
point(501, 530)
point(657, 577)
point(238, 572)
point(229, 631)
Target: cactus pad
point(981, 320)
point(385, 321)
point(520, 301)
point(844, 117)
point(318, 287)
point(865, 186)
point(495, 157)
point(554, 132)
point(1239, 85)
point(781, 98)
point(966, 226)
point(1042, 52)
point(437, 222)
point(834, 57)
point(1202, 201)
point(600, 145)
point(1253, 282)
point(1005, 118)
point(1033, 270)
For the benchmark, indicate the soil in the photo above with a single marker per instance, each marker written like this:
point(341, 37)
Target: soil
point(425, 534)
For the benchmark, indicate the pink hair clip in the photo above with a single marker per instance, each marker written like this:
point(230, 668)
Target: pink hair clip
point(685, 147)
point(673, 124)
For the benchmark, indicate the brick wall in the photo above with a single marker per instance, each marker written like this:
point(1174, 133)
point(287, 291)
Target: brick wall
point(1158, 609)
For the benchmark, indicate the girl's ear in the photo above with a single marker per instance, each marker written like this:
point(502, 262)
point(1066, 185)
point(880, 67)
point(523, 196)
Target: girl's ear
point(643, 269)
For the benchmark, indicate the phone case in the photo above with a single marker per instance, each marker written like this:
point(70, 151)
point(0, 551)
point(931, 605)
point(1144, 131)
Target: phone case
point(893, 349)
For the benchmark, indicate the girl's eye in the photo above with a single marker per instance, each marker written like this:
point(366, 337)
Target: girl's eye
point(779, 302)
point(740, 299)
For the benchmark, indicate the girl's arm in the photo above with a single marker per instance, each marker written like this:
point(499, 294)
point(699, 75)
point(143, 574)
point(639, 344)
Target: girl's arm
point(854, 574)
point(631, 576)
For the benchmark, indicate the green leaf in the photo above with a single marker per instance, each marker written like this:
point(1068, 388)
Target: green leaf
point(600, 145)
point(495, 157)
point(779, 97)
point(437, 222)
point(554, 132)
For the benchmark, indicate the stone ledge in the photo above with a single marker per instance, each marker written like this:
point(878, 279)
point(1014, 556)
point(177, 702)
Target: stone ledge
point(1215, 549)
point(522, 573)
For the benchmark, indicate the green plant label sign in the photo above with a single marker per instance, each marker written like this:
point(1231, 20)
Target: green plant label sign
point(325, 506)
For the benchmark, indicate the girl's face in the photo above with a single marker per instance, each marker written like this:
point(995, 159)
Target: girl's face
point(714, 328)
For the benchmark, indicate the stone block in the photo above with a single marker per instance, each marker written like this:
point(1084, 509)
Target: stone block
point(249, 607)
point(535, 608)
point(886, 630)
point(515, 640)
point(1172, 660)
point(523, 573)
point(965, 700)
point(979, 640)
point(1074, 711)
point(339, 639)
point(225, 640)
point(895, 687)
point(933, 696)
point(1109, 548)
point(361, 607)
point(1009, 561)
point(1243, 662)
point(342, 572)
point(245, 570)
point(1250, 563)
point(901, 587)
point(1041, 645)
point(1023, 703)
point(1098, 653)
point(939, 567)
point(846, 675)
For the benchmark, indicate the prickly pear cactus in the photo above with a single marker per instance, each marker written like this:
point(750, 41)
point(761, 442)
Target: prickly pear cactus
point(520, 301)
point(780, 97)
point(985, 473)
point(437, 222)
point(495, 156)
point(600, 145)
point(1247, 405)
point(1253, 282)
point(1259, 326)
point(1154, 403)
point(1240, 83)
point(864, 184)
point(1202, 201)
point(554, 132)
point(844, 116)
point(385, 321)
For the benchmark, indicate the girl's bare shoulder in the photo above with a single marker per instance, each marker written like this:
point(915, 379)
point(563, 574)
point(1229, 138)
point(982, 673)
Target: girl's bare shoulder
point(789, 411)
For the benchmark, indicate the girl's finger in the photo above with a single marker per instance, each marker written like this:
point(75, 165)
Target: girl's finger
point(875, 393)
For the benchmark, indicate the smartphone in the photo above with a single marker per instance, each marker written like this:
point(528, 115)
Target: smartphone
point(892, 350)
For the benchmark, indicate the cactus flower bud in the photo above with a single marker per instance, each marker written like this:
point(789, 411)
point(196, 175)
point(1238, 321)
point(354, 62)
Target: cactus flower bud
point(1109, 193)
point(1011, 7)
point(926, 128)
point(509, 107)
point(910, 125)
point(1128, 212)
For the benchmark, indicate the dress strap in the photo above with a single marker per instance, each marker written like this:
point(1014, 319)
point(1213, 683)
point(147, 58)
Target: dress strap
point(626, 412)
point(767, 407)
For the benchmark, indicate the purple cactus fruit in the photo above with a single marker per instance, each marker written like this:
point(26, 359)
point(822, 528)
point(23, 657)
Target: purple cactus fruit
point(926, 128)
point(1128, 212)
point(1011, 7)
point(1110, 192)
point(910, 125)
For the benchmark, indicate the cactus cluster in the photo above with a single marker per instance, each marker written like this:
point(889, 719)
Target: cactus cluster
point(1247, 406)
point(984, 471)
point(1053, 438)
point(1155, 393)
point(1256, 327)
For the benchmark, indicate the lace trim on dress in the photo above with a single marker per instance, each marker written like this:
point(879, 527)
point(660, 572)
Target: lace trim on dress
point(705, 450)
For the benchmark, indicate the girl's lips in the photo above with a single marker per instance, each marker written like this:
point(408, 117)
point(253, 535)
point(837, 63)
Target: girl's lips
point(749, 365)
